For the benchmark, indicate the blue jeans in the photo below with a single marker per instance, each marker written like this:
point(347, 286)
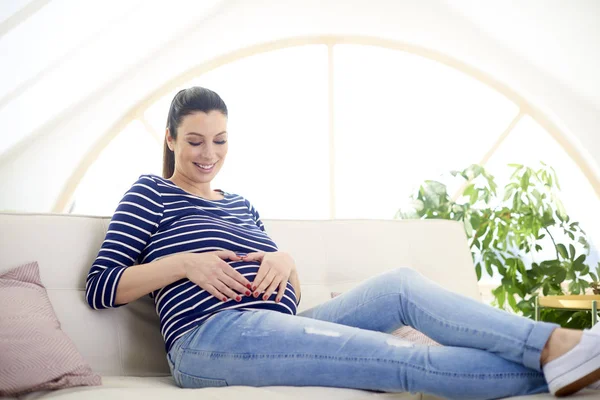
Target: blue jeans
point(487, 353)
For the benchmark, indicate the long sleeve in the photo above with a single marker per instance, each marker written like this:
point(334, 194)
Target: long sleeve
point(133, 223)
point(255, 215)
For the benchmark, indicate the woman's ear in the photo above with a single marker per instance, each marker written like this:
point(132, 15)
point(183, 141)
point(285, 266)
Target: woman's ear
point(169, 139)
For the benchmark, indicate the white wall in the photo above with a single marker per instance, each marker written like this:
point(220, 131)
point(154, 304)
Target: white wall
point(33, 174)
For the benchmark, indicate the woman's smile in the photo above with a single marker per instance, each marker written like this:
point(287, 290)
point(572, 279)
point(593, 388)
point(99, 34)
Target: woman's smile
point(205, 168)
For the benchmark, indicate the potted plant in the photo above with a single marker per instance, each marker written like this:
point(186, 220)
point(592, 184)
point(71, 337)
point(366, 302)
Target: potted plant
point(522, 233)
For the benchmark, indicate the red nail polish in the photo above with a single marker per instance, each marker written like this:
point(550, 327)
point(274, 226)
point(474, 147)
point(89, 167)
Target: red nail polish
point(249, 286)
point(248, 293)
point(224, 298)
point(255, 294)
point(253, 287)
point(238, 298)
point(265, 297)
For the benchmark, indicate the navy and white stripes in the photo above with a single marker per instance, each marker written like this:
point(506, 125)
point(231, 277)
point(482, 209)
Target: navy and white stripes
point(156, 219)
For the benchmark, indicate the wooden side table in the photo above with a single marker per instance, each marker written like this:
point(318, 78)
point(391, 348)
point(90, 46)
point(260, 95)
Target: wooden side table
point(569, 302)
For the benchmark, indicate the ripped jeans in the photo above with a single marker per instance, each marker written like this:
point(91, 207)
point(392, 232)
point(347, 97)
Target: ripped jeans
point(487, 353)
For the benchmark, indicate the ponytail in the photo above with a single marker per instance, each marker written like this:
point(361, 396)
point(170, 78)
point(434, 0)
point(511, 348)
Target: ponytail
point(168, 161)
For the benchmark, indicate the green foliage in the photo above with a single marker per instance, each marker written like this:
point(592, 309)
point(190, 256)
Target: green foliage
point(507, 233)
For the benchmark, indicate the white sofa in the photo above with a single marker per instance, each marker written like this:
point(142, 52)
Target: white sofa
point(124, 345)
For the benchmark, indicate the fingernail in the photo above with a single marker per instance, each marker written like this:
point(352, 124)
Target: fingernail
point(224, 298)
point(253, 287)
point(249, 286)
point(238, 298)
point(255, 294)
point(248, 293)
point(265, 297)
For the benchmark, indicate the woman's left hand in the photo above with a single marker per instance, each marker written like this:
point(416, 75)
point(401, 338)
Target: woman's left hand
point(274, 272)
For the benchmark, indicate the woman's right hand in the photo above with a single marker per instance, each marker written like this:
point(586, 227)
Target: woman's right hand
point(209, 271)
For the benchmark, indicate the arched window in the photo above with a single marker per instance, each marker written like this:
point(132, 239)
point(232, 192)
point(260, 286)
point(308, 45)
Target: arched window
point(334, 130)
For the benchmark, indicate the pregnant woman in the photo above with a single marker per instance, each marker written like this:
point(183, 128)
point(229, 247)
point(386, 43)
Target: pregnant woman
point(227, 297)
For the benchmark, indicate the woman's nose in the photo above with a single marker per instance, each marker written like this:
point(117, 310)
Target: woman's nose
point(208, 153)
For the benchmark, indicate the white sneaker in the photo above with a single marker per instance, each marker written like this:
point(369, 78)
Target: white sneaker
point(577, 368)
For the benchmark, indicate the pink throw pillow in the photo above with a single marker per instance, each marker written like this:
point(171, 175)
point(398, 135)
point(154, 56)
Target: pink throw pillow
point(35, 354)
point(407, 332)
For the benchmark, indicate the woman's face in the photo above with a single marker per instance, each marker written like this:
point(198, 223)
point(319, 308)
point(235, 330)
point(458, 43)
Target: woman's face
point(201, 141)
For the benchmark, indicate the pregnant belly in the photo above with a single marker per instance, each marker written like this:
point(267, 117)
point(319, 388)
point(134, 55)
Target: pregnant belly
point(249, 270)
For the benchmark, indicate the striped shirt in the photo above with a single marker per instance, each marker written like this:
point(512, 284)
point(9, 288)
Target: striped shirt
point(156, 219)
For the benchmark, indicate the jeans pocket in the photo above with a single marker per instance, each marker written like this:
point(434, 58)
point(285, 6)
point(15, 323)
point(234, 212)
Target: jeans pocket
point(193, 382)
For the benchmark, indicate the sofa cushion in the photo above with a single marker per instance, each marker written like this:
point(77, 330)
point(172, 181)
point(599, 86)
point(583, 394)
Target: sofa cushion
point(36, 353)
point(148, 388)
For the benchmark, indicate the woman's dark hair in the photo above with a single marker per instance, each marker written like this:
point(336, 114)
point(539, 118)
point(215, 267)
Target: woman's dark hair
point(186, 102)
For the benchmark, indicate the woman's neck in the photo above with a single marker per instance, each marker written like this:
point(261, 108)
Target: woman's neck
point(199, 189)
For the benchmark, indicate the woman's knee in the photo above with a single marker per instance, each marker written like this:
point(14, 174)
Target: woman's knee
point(403, 273)
point(396, 279)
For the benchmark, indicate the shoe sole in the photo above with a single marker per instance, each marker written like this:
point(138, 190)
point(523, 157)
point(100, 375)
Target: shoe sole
point(579, 384)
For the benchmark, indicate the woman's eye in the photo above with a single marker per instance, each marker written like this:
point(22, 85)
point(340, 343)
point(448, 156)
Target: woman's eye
point(199, 143)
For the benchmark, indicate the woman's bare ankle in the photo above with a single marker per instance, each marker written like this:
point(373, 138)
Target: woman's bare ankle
point(561, 341)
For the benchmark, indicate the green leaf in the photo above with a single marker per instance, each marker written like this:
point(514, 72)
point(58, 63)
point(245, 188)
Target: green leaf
point(537, 196)
point(516, 201)
point(469, 189)
point(572, 251)
point(555, 177)
point(562, 250)
point(560, 276)
point(585, 271)
point(488, 268)
point(579, 263)
point(500, 295)
point(553, 270)
point(584, 242)
point(468, 228)
point(478, 271)
point(475, 221)
point(525, 180)
point(573, 287)
point(487, 240)
point(472, 193)
point(474, 196)
point(512, 302)
point(508, 194)
point(561, 213)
